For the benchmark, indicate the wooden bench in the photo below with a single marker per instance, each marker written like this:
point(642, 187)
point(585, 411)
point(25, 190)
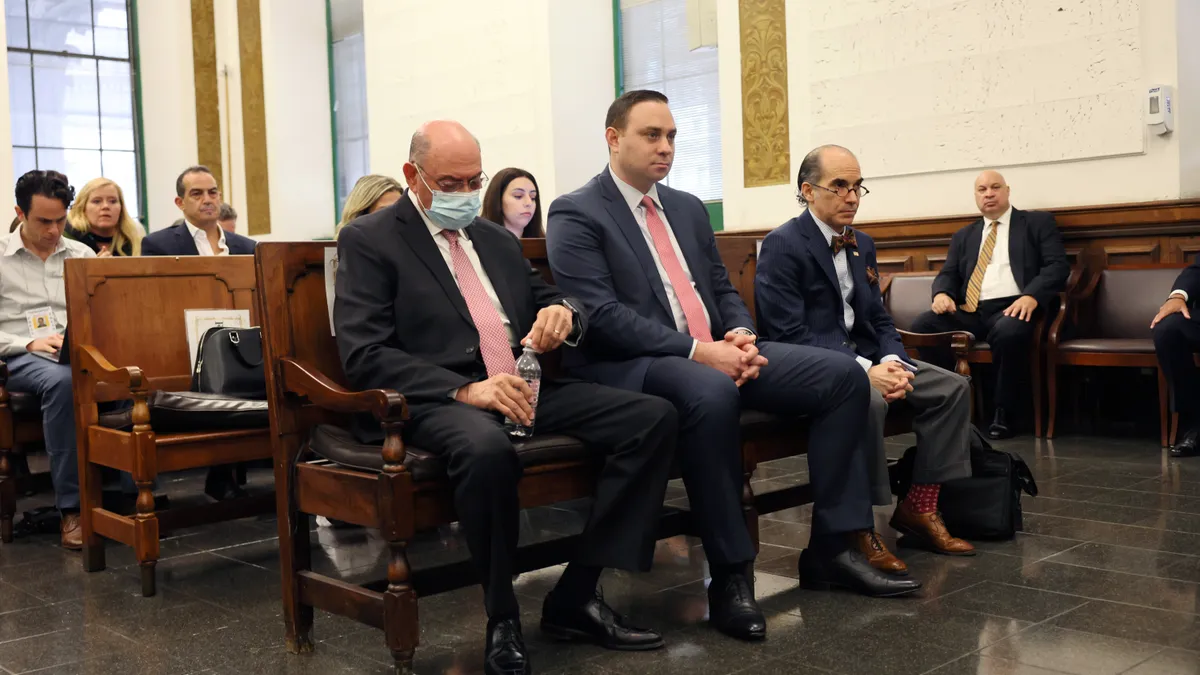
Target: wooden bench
point(407, 491)
point(20, 425)
point(128, 339)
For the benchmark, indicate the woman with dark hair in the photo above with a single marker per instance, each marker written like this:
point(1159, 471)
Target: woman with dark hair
point(512, 201)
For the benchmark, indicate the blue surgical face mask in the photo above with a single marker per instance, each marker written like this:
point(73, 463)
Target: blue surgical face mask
point(452, 210)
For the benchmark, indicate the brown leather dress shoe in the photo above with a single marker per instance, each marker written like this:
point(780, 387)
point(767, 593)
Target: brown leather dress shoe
point(929, 530)
point(871, 545)
point(72, 532)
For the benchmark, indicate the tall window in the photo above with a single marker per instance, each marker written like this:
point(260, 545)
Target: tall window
point(349, 95)
point(70, 90)
point(655, 55)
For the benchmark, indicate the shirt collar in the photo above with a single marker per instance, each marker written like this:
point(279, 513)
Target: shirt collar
point(632, 195)
point(193, 230)
point(16, 243)
point(434, 230)
point(825, 229)
point(1004, 220)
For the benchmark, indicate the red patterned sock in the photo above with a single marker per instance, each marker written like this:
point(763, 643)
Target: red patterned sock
point(923, 498)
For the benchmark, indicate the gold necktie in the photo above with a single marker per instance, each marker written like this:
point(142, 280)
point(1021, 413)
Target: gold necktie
point(975, 285)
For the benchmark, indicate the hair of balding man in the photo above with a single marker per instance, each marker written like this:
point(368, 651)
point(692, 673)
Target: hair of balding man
point(419, 146)
point(810, 169)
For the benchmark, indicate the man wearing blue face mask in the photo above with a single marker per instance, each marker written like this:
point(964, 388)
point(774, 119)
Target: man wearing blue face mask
point(433, 302)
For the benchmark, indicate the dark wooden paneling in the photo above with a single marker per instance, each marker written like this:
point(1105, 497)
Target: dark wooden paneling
point(1118, 234)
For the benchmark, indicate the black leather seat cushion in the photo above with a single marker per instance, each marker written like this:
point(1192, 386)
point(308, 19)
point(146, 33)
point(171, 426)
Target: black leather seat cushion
point(186, 411)
point(340, 447)
point(24, 404)
point(1117, 345)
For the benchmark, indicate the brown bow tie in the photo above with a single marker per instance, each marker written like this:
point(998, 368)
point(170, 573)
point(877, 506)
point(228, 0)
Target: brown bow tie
point(844, 240)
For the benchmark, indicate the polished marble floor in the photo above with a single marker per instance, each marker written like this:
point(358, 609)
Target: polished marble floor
point(1106, 579)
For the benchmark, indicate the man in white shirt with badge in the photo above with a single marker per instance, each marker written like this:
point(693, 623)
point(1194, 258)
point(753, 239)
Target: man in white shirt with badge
point(33, 318)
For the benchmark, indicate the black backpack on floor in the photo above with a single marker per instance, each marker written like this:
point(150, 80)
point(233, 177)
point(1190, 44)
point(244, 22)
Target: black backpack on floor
point(988, 504)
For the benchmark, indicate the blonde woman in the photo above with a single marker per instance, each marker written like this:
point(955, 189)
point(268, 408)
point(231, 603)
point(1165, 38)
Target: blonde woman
point(99, 219)
point(370, 194)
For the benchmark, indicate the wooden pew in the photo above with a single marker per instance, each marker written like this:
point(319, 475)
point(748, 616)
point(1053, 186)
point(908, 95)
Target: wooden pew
point(128, 339)
point(20, 425)
point(307, 388)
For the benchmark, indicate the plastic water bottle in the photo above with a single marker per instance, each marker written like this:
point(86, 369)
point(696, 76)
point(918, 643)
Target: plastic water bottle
point(530, 370)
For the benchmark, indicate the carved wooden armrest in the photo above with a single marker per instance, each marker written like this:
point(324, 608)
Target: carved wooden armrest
point(386, 405)
point(94, 365)
point(1068, 303)
point(958, 341)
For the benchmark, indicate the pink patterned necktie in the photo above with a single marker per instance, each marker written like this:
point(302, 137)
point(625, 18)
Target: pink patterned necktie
point(693, 310)
point(493, 339)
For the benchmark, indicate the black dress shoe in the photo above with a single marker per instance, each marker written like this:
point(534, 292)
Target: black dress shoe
point(597, 623)
point(733, 610)
point(851, 570)
point(221, 485)
point(505, 653)
point(1000, 429)
point(1187, 446)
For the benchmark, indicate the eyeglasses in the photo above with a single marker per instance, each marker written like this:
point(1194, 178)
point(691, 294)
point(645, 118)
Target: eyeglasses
point(450, 185)
point(844, 190)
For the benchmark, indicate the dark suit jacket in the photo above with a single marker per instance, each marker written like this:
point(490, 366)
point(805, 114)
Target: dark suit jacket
point(598, 255)
point(1035, 251)
point(1188, 281)
point(176, 240)
point(799, 300)
point(401, 320)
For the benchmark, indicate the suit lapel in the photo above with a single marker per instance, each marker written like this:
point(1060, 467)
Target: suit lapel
point(819, 249)
point(1016, 246)
point(493, 265)
point(973, 244)
point(414, 232)
point(620, 212)
point(186, 243)
point(862, 288)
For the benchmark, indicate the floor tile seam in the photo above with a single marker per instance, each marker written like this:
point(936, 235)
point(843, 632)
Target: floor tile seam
point(1124, 546)
point(1135, 524)
point(1091, 599)
point(229, 546)
point(237, 560)
point(1132, 574)
point(944, 596)
point(20, 591)
point(30, 637)
point(1148, 658)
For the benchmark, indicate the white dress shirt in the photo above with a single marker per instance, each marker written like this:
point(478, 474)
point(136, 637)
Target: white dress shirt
point(841, 264)
point(27, 283)
point(633, 197)
point(201, 238)
point(464, 241)
point(998, 280)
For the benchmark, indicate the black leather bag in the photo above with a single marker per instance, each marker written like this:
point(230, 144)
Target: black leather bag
point(988, 504)
point(229, 361)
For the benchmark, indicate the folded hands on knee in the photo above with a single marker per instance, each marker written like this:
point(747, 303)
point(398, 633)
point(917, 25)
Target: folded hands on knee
point(736, 356)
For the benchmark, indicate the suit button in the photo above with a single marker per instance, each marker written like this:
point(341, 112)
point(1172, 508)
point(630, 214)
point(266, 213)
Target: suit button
point(470, 350)
point(845, 344)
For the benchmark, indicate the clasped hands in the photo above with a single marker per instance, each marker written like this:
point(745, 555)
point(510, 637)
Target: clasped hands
point(1022, 308)
point(508, 394)
point(891, 379)
point(736, 356)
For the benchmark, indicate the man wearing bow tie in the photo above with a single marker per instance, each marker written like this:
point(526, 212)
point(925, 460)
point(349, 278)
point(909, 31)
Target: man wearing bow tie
point(818, 285)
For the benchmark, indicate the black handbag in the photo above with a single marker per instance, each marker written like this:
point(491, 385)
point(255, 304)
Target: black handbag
point(229, 361)
point(988, 504)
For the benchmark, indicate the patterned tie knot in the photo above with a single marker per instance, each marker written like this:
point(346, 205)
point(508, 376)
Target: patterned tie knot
point(844, 240)
point(451, 236)
point(648, 202)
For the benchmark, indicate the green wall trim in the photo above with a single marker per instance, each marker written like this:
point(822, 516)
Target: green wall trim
point(332, 108)
point(138, 130)
point(618, 62)
point(716, 215)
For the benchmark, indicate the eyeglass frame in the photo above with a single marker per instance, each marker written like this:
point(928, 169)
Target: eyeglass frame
point(482, 178)
point(844, 191)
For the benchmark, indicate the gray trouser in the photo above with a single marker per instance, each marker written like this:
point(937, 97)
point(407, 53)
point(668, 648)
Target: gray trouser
point(942, 403)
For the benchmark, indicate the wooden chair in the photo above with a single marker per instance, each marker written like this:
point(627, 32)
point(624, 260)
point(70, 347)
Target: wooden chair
point(128, 339)
point(908, 294)
point(20, 424)
point(1107, 323)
